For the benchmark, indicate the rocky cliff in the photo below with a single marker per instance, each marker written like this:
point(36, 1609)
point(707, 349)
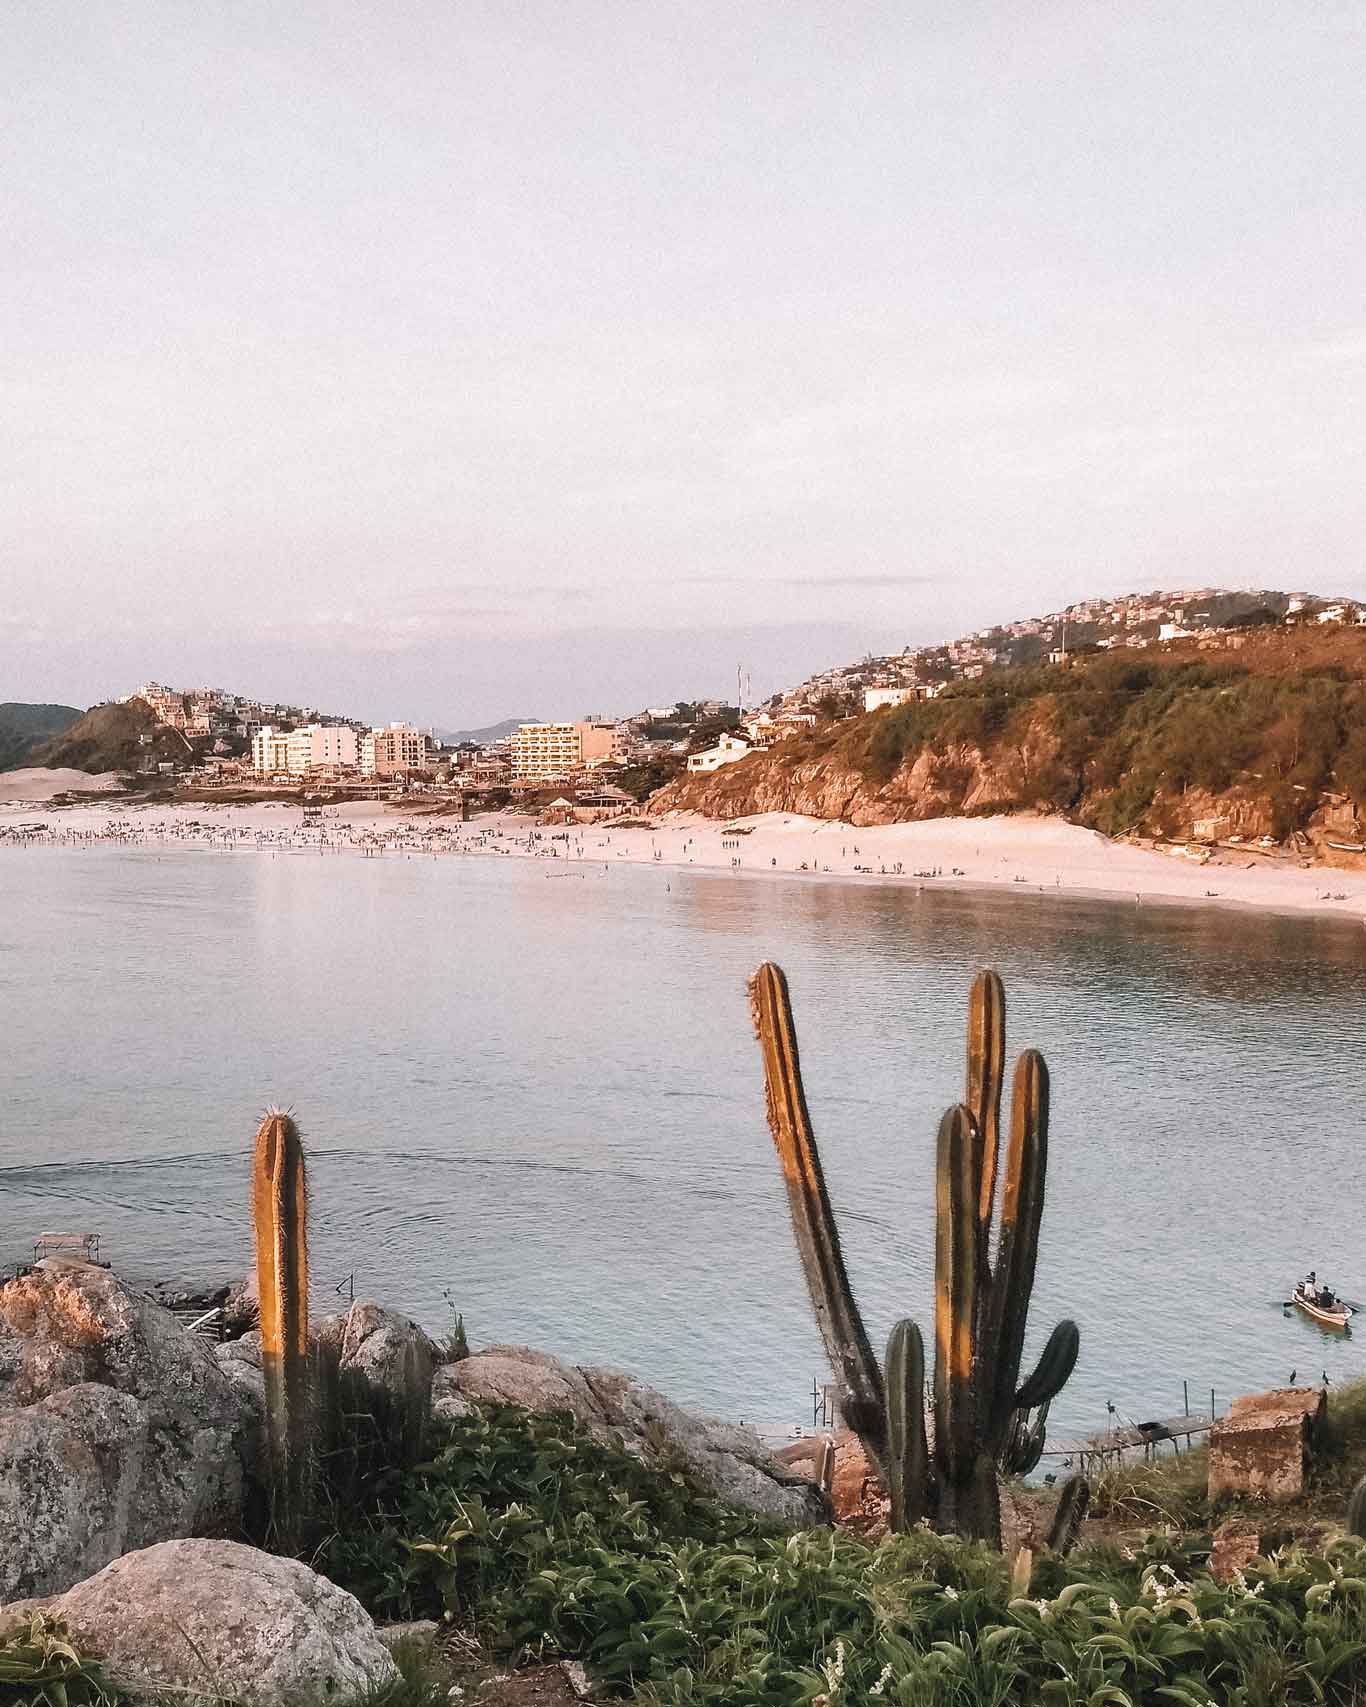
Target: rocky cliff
point(1164, 746)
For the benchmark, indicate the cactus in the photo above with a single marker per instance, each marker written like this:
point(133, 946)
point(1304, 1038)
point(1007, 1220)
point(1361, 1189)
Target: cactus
point(1356, 1510)
point(986, 1419)
point(280, 1209)
point(857, 1376)
point(908, 1477)
point(1073, 1499)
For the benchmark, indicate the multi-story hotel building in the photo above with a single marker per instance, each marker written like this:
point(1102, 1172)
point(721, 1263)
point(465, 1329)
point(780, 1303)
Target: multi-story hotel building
point(394, 751)
point(316, 747)
point(544, 750)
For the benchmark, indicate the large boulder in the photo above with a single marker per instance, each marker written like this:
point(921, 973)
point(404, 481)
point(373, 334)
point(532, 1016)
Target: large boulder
point(725, 1458)
point(167, 1465)
point(379, 1347)
point(70, 1471)
point(226, 1623)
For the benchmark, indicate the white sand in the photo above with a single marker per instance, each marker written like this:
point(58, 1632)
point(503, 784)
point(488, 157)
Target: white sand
point(1019, 854)
point(39, 784)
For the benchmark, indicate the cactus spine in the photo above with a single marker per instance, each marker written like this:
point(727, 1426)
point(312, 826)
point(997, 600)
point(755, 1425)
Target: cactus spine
point(986, 1419)
point(280, 1210)
point(908, 1466)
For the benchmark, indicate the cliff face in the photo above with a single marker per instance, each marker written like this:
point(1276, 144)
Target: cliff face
point(791, 778)
point(1162, 747)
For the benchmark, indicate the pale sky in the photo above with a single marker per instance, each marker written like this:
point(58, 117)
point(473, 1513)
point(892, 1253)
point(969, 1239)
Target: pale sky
point(452, 360)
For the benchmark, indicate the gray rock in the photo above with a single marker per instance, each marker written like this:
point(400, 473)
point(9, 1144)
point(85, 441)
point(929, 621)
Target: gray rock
point(379, 1346)
point(226, 1622)
point(71, 1325)
point(725, 1458)
point(448, 1403)
point(417, 1633)
point(71, 1467)
point(240, 1361)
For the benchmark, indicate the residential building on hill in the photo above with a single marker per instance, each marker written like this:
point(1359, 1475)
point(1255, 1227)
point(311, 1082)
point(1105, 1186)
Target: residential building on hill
point(727, 751)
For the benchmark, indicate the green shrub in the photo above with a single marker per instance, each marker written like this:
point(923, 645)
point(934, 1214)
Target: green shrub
point(548, 1543)
point(40, 1667)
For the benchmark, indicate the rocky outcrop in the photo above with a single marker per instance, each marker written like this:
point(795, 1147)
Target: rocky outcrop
point(70, 1472)
point(224, 1622)
point(117, 1428)
point(727, 1459)
point(380, 1347)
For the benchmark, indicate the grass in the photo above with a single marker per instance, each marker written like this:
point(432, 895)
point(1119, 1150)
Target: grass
point(543, 1543)
point(1170, 1491)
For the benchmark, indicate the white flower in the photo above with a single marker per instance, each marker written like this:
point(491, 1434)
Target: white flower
point(950, 1592)
point(881, 1684)
point(1114, 1608)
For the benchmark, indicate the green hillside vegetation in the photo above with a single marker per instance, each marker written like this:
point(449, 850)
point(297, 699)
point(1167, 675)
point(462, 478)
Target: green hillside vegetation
point(122, 737)
point(24, 727)
point(1115, 734)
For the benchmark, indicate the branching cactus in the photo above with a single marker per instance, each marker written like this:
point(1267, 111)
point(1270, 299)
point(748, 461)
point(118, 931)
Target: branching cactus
point(986, 1421)
point(280, 1209)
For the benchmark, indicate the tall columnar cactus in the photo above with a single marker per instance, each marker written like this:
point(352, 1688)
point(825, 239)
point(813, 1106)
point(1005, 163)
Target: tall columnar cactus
point(985, 1419)
point(280, 1210)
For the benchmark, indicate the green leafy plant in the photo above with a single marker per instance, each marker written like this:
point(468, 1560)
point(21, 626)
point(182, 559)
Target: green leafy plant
point(546, 1542)
point(40, 1666)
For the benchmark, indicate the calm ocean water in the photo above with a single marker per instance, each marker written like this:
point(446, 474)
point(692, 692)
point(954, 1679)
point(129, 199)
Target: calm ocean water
point(539, 1092)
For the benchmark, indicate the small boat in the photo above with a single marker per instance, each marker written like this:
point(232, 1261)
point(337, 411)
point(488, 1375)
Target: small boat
point(1322, 1305)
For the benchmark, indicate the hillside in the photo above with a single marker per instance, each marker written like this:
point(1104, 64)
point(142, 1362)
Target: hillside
point(1266, 736)
point(24, 727)
point(484, 737)
point(115, 737)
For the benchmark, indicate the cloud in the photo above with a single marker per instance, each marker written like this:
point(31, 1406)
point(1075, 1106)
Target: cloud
point(821, 581)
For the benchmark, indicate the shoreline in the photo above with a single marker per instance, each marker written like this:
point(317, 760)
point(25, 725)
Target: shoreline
point(1018, 854)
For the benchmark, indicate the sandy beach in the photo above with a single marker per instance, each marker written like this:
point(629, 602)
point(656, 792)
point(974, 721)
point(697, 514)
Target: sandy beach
point(1017, 853)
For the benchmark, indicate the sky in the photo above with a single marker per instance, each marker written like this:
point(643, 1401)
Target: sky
point(457, 360)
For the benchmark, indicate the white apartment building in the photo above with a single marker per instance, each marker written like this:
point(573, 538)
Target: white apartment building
point(394, 751)
point(316, 747)
point(270, 752)
point(539, 751)
point(875, 698)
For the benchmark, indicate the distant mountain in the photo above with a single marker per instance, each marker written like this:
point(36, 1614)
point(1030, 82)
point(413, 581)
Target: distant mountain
point(24, 727)
point(494, 732)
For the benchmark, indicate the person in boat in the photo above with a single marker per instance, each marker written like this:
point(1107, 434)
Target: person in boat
point(1309, 1286)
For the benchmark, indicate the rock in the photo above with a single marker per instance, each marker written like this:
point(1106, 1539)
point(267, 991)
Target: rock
point(380, 1346)
point(448, 1405)
point(728, 1460)
point(70, 1470)
point(227, 1623)
point(241, 1307)
point(1236, 1544)
point(240, 1361)
point(419, 1632)
point(165, 1467)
